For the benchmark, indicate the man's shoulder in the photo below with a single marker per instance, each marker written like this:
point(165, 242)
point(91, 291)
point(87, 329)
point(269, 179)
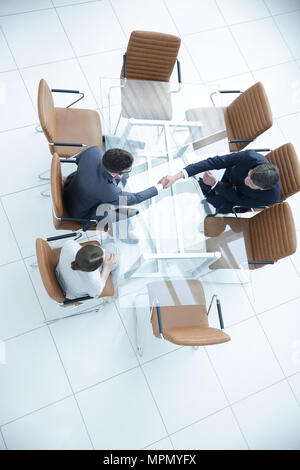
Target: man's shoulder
point(253, 155)
point(94, 153)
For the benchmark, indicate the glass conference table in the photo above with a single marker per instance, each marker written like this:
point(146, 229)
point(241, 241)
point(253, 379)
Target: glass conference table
point(149, 119)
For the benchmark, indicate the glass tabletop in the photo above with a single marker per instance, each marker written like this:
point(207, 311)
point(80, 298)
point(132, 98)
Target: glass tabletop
point(144, 115)
point(158, 124)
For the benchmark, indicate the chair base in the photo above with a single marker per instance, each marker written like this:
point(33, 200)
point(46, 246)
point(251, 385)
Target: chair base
point(90, 310)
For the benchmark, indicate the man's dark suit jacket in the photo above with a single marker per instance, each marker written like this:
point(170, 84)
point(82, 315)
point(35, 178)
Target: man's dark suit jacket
point(237, 165)
point(91, 185)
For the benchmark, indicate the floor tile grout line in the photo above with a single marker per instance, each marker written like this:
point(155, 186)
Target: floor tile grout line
point(281, 14)
point(117, 18)
point(59, 356)
point(107, 379)
point(20, 74)
point(77, 59)
point(17, 128)
point(142, 372)
point(252, 71)
point(38, 185)
point(257, 314)
point(228, 24)
point(203, 419)
point(231, 404)
point(182, 37)
point(225, 394)
point(278, 361)
point(36, 410)
point(246, 397)
point(65, 60)
point(9, 223)
point(71, 387)
point(156, 442)
point(235, 41)
point(282, 35)
point(285, 42)
point(156, 404)
point(2, 435)
point(24, 12)
point(50, 332)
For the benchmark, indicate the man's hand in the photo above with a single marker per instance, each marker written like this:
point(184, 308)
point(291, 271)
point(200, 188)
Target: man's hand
point(168, 180)
point(209, 179)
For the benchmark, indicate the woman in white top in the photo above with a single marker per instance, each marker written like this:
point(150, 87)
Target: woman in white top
point(84, 270)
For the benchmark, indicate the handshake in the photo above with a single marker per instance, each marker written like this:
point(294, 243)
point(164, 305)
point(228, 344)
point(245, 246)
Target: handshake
point(167, 181)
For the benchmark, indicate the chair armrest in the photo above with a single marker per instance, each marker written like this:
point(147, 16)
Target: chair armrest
point(234, 209)
point(78, 299)
point(67, 160)
point(220, 313)
point(159, 320)
point(236, 141)
point(125, 66)
point(75, 219)
point(218, 303)
point(178, 71)
point(261, 262)
point(67, 144)
point(60, 237)
point(261, 150)
point(59, 90)
point(222, 92)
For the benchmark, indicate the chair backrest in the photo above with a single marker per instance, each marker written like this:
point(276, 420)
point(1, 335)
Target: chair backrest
point(56, 186)
point(151, 56)
point(183, 313)
point(248, 116)
point(285, 158)
point(46, 111)
point(272, 233)
point(47, 262)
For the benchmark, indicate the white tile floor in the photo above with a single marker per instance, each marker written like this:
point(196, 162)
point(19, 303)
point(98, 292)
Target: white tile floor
point(79, 384)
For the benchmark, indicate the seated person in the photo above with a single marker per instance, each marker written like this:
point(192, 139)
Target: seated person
point(96, 181)
point(83, 270)
point(249, 180)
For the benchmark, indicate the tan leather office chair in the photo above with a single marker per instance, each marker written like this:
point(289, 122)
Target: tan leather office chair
point(47, 260)
point(67, 130)
point(285, 158)
point(150, 57)
point(61, 218)
point(247, 117)
point(269, 236)
point(179, 313)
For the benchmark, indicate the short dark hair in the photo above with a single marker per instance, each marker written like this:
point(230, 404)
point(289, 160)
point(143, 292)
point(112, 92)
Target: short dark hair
point(265, 176)
point(117, 160)
point(88, 258)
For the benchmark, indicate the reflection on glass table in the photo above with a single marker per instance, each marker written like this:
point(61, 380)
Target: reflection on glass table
point(147, 115)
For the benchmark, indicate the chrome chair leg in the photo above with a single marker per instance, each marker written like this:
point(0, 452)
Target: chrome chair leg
point(90, 310)
point(44, 178)
point(45, 193)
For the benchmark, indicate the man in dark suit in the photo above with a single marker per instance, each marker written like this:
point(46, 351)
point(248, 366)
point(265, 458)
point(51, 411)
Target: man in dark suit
point(93, 188)
point(249, 180)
